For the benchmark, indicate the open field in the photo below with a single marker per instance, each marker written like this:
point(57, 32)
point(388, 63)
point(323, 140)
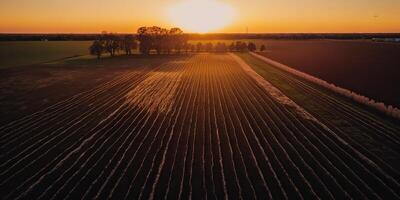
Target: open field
point(26, 53)
point(368, 68)
point(336, 111)
point(26, 89)
point(200, 126)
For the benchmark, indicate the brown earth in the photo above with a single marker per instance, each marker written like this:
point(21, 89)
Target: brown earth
point(209, 131)
point(368, 68)
point(27, 89)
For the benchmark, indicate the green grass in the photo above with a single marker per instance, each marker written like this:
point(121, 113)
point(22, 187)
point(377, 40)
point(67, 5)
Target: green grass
point(271, 73)
point(310, 103)
point(20, 53)
point(307, 101)
point(14, 54)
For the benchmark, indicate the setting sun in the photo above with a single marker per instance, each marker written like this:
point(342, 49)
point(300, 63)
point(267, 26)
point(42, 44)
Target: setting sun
point(201, 15)
point(199, 99)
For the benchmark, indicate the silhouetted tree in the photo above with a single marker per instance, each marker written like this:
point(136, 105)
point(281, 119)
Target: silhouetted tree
point(178, 47)
point(251, 46)
point(262, 48)
point(150, 39)
point(97, 48)
point(199, 47)
point(160, 39)
point(128, 44)
point(209, 47)
point(220, 47)
point(186, 47)
point(243, 47)
point(178, 39)
point(224, 48)
point(164, 41)
point(111, 43)
point(232, 47)
point(192, 48)
point(144, 37)
point(238, 45)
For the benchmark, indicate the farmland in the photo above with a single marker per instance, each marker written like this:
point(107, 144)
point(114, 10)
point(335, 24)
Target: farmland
point(366, 67)
point(196, 126)
point(19, 53)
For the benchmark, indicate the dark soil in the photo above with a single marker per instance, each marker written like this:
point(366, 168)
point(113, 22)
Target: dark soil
point(368, 68)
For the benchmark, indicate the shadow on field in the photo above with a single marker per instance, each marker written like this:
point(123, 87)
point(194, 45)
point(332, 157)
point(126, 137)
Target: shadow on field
point(27, 89)
point(108, 61)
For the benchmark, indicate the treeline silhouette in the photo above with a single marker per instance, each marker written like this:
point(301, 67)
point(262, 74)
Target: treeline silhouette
point(157, 40)
point(112, 44)
point(162, 40)
point(209, 36)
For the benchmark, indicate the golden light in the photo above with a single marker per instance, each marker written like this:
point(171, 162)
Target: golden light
point(201, 15)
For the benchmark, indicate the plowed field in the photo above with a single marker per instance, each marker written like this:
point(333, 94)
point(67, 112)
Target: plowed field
point(196, 127)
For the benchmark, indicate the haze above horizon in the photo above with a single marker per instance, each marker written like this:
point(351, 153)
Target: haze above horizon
point(259, 16)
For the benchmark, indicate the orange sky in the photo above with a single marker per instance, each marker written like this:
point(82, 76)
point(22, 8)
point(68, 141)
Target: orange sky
point(93, 16)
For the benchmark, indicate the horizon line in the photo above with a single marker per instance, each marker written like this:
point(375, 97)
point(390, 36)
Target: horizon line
point(93, 33)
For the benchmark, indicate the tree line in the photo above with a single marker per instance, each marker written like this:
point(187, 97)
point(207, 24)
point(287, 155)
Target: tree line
point(112, 44)
point(161, 41)
point(209, 36)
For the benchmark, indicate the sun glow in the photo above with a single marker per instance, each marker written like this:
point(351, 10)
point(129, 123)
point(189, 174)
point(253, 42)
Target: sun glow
point(201, 15)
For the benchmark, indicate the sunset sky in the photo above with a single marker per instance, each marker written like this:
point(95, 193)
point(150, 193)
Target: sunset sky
point(269, 16)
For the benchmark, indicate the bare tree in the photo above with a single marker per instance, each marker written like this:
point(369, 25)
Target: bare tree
point(224, 48)
point(209, 47)
point(186, 47)
point(241, 46)
point(192, 48)
point(111, 43)
point(262, 48)
point(97, 48)
point(199, 47)
point(220, 47)
point(232, 47)
point(129, 44)
point(238, 45)
point(251, 47)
